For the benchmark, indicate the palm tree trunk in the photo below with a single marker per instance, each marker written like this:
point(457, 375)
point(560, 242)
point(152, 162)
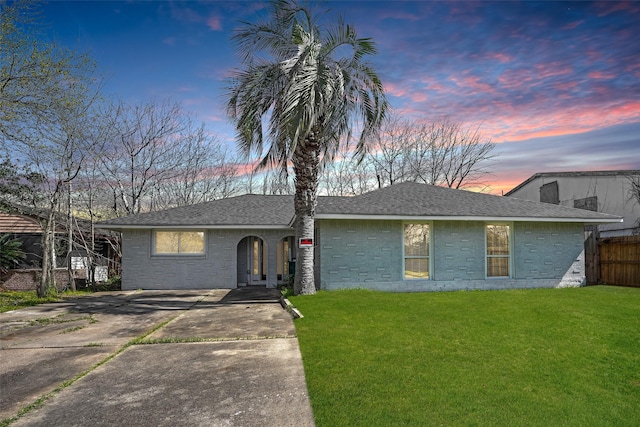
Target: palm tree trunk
point(306, 160)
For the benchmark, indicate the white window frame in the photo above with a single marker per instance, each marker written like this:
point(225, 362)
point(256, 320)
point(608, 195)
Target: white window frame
point(509, 256)
point(429, 256)
point(179, 254)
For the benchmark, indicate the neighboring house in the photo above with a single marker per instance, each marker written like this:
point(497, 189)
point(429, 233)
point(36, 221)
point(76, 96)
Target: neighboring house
point(407, 237)
point(599, 191)
point(28, 231)
point(25, 224)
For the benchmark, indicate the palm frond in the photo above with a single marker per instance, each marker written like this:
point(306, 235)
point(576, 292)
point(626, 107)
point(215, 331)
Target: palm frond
point(304, 86)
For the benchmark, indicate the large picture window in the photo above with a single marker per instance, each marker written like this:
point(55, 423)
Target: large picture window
point(416, 251)
point(498, 250)
point(178, 243)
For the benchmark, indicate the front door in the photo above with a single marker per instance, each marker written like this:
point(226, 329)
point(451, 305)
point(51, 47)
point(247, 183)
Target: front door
point(257, 261)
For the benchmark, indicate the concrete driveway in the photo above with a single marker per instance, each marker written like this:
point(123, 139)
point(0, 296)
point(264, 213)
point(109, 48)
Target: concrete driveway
point(154, 358)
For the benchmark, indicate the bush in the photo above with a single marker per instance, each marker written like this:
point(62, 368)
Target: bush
point(10, 253)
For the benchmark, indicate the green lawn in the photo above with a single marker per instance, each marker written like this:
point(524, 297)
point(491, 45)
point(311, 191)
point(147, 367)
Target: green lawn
point(543, 357)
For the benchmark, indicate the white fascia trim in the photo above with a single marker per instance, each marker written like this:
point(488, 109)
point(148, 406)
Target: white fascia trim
point(467, 218)
point(197, 227)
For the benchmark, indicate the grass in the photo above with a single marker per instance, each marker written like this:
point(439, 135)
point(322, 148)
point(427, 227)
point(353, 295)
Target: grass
point(13, 300)
point(538, 357)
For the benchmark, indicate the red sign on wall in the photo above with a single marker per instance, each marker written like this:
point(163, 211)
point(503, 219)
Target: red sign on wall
point(305, 242)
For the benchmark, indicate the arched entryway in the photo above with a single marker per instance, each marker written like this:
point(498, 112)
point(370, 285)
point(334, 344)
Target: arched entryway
point(253, 265)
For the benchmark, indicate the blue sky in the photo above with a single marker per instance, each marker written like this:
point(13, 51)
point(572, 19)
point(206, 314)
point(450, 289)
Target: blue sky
point(555, 84)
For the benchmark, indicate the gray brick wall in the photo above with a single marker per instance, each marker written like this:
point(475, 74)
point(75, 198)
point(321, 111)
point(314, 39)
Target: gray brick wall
point(368, 254)
point(217, 269)
point(547, 250)
point(359, 252)
point(458, 250)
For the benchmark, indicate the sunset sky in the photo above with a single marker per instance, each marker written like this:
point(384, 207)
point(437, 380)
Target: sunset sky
point(555, 84)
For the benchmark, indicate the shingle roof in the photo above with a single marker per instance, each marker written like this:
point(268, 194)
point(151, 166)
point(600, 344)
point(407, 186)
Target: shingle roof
point(406, 200)
point(18, 224)
point(412, 199)
point(241, 211)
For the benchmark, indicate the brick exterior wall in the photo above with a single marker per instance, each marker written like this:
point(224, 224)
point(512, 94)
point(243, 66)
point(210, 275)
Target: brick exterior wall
point(362, 252)
point(368, 254)
point(216, 269)
point(549, 251)
point(27, 279)
point(458, 250)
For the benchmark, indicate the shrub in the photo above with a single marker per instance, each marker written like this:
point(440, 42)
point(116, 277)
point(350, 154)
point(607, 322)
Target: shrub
point(11, 252)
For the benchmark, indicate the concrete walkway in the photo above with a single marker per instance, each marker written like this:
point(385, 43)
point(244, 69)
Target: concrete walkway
point(200, 358)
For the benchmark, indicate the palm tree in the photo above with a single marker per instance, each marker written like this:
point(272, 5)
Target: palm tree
point(297, 77)
point(11, 253)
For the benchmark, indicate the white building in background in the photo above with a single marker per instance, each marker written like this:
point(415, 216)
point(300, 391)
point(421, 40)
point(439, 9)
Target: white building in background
point(600, 191)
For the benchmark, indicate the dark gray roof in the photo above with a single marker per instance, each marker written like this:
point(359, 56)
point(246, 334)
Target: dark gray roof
point(413, 199)
point(406, 200)
point(572, 175)
point(241, 211)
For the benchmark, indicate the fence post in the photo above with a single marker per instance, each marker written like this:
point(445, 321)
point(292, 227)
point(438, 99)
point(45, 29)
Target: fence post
point(592, 255)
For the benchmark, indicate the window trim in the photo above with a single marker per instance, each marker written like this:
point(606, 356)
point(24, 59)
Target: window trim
point(154, 252)
point(509, 257)
point(429, 257)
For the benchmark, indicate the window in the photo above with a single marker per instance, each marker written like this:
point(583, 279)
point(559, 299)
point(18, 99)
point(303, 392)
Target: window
point(178, 242)
point(498, 250)
point(416, 251)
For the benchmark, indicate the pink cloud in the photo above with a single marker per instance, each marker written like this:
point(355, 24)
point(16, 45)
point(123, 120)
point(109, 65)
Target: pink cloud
point(216, 118)
point(419, 97)
point(565, 86)
point(608, 8)
point(594, 55)
point(601, 75)
point(394, 90)
point(522, 77)
point(552, 69)
point(572, 25)
point(474, 83)
point(503, 58)
point(213, 22)
point(515, 78)
point(169, 41)
point(527, 124)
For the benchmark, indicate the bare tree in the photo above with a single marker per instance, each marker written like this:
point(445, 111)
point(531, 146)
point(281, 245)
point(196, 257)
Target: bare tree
point(634, 194)
point(31, 71)
point(91, 195)
point(56, 150)
point(140, 151)
point(153, 156)
point(346, 174)
point(46, 93)
point(444, 153)
point(390, 149)
point(19, 185)
point(278, 181)
point(205, 172)
point(461, 153)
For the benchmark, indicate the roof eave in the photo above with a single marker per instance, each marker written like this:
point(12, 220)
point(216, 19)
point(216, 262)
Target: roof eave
point(467, 218)
point(195, 227)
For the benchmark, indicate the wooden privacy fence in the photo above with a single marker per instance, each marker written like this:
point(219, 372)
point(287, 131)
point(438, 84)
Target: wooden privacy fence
point(619, 260)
